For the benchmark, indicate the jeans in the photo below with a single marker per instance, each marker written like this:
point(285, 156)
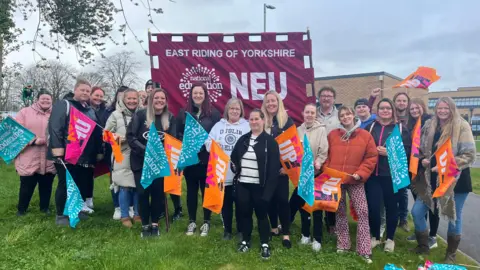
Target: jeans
point(420, 209)
point(115, 199)
point(127, 196)
point(403, 205)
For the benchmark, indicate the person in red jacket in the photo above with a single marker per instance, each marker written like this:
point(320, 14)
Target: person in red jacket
point(352, 150)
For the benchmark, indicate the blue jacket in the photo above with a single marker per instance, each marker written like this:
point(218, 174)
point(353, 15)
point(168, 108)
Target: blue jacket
point(370, 120)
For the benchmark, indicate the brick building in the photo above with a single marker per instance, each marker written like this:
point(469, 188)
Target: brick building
point(351, 87)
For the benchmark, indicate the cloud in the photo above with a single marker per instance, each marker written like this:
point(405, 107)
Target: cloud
point(349, 36)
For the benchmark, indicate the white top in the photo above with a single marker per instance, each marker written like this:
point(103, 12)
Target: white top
point(249, 172)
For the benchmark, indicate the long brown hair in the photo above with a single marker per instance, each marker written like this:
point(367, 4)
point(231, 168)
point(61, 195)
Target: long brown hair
point(206, 107)
point(394, 112)
point(452, 124)
point(419, 102)
point(165, 116)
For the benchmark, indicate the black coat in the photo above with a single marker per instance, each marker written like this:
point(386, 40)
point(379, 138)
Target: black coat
point(137, 137)
point(268, 160)
point(276, 130)
point(58, 131)
point(207, 122)
point(380, 138)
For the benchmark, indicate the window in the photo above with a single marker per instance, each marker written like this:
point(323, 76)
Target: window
point(461, 102)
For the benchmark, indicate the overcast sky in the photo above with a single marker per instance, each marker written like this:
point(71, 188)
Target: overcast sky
point(349, 36)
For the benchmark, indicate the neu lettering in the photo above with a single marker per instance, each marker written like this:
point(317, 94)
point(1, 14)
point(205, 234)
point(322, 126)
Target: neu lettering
point(258, 85)
point(174, 156)
point(330, 186)
point(443, 162)
point(220, 171)
point(82, 128)
point(288, 154)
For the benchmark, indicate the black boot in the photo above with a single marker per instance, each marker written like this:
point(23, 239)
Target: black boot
point(451, 255)
point(422, 240)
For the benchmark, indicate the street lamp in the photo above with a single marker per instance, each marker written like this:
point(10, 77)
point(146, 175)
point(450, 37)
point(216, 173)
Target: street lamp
point(265, 6)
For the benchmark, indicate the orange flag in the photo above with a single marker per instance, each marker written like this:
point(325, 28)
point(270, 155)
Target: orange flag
point(328, 191)
point(216, 173)
point(414, 155)
point(291, 153)
point(423, 77)
point(172, 183)
point(447, 168)
point(117, 152)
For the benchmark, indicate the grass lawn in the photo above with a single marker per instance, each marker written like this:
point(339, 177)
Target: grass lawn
point(34, 242)
point(475, 174)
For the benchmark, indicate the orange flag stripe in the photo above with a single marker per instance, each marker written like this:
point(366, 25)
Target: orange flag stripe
point(215, 183)
point(328, 191)
point(291, 153)
point(447, 168)
point(116, 150)
point(414, 155)
point(173, 183)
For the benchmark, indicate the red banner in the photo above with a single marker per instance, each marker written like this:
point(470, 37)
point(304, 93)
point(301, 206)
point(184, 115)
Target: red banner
point(240, 68)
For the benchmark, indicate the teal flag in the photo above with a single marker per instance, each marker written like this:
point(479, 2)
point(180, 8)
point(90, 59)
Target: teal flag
point(306, 181)
point(155, 164)
point(74, 203)
point(397, 160)
point(13, 138)
point(194, 136)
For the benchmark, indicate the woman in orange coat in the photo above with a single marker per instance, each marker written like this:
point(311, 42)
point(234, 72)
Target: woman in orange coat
point(352, 150)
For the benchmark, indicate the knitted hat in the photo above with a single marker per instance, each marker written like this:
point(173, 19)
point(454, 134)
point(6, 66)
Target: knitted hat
point(361, 101)
point(149, 82)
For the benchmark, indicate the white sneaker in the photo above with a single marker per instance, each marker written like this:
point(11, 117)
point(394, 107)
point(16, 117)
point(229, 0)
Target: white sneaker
point(305, 240)
point(389, 246)
point(87, 209)
point(316, 246)
point(117, 214)
point(374, 242)
point(130, 212)
point(191, 228)
point(367, 259)
point(204, 229)
point(89, 203)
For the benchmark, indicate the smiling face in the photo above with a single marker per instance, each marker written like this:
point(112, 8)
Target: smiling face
point(96, 98)
point(45, 101)
point(198, 96)
point(401, 103)
point(234, 112)
point(362, 111)
point(385, 111)
point(256, 122)
point(416, 110)
point(149, 88)
point(131, 100)
point(159, 101)
point(346, 118)
point(309, 114)
point(82, 93)
point(327, 99)
point(443, 111)
point(271, 103)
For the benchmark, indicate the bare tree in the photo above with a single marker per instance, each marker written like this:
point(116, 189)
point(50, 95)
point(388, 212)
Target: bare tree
point(119, 69)
point(9, 98)
point(56, 77)
point(95, 79)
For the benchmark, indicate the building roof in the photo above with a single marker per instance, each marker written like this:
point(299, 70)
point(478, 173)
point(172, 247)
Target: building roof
point(358, 75)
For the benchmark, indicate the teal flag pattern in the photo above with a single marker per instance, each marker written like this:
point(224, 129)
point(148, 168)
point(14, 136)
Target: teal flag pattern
point(13, 138)
point(194, 136)
point(74, 203)
point(155, 164)
point(397, 160)
point(306, 181)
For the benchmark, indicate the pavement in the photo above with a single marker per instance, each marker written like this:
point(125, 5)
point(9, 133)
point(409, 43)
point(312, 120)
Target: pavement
point(470, 243)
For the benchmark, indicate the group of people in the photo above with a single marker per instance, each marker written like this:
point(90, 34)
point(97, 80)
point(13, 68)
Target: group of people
point(350, 140)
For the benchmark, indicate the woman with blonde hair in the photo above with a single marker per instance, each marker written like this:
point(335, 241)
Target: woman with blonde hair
point(150, 199)
point(445, 124)
point(226, 133)
point(276, 122)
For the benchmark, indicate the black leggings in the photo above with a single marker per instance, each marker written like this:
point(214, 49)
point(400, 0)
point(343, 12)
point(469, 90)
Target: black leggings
point(433, 218)
point(27, 187)
point(150, 200)
point(227, 210)
point(79, 174)
point(195, 176)
point(280, 207)
point(89, 188)
point(249, 199)
point(296, 202)
point(317, 224)
point(379, 189)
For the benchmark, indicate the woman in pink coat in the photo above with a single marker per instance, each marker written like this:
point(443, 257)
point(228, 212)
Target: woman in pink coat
point(32, 164)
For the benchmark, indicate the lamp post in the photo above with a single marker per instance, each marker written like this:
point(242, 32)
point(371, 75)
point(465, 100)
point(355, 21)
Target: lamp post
point(265, 6)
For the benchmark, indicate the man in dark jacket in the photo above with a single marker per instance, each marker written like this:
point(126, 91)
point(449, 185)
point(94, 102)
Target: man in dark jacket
point(58, 133)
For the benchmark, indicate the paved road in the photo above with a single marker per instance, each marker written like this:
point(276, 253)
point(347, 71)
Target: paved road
point(470, 243)
point(476, 164)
